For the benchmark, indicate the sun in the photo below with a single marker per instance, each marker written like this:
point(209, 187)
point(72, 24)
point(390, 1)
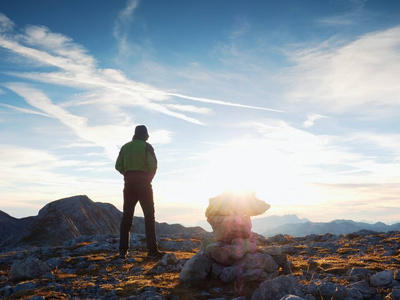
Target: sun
point(250, 165)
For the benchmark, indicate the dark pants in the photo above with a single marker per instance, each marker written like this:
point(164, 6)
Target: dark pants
point(138, 188)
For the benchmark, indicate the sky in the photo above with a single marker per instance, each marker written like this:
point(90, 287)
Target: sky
point(298, 101)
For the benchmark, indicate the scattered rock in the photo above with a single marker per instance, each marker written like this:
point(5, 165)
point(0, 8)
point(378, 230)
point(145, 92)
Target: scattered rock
point(254, 259)
point(382, 278)
point(364, 288)
point(278, 288)
point(29, 268)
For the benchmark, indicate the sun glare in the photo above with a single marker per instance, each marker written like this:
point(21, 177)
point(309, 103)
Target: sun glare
point(251, 166)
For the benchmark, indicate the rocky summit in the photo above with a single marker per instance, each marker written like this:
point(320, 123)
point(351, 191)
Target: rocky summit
point(361, 265)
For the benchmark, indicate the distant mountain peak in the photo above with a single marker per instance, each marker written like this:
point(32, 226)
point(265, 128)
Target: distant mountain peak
point(67, 205)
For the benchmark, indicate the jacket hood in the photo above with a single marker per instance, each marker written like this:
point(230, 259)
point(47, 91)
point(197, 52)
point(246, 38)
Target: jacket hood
point(141, 133)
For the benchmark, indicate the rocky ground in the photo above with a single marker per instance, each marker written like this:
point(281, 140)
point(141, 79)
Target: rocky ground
point(362, 265)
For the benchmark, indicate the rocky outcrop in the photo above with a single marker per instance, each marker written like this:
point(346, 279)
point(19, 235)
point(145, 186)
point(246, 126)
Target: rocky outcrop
point(65, 219)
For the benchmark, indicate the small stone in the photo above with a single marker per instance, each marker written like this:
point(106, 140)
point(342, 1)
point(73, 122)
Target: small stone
point(395, 294)
point(168, 259)
point(6, 291)
point(363, 287)
point(327, 290)
point(216, 270)
point(25, 286)
point(229, 274)
point(382, 278)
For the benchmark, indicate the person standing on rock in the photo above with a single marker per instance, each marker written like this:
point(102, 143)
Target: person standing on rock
point(138, 163)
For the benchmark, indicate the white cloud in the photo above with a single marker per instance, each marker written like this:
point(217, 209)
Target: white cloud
point(98, 135)
point(30, 178)
point(190, 108)
point(360, 77)
point(106, 136)
point(311, 120)
point(121, 27)
point(5, 23)
point(354, 17)
point(79, 70)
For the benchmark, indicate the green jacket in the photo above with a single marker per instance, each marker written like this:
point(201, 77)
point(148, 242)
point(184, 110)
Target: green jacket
point(137, 155)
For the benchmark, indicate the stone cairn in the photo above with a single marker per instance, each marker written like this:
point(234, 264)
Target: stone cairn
point(234, 253)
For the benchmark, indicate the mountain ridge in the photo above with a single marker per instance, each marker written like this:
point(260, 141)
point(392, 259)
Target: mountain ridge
point(70, 217)
point(74, 216)
point(337, 227)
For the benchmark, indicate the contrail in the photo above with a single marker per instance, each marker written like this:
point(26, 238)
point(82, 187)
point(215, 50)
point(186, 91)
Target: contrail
point(221, 102)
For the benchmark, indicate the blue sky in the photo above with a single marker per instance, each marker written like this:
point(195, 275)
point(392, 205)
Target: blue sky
point(296, 100)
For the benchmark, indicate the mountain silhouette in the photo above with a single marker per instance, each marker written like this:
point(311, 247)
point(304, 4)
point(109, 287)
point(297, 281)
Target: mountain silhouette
point(335, 227)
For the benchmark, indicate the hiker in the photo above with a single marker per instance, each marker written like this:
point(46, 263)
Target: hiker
point(138, 163)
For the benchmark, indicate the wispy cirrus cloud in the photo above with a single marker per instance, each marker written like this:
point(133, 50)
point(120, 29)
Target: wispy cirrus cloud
point(359, 77)
point(121, 26)
point(98, 135)
point(5, 23)
point(354, 17)
point(78, 69)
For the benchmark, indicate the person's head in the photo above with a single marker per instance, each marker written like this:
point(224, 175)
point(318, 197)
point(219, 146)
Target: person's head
point(141, 133)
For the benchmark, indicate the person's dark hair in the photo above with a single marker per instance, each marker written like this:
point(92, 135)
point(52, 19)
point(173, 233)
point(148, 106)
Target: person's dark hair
point(141, 133)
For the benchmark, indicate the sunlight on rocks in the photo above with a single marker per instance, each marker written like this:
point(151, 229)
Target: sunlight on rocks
point(234, 255)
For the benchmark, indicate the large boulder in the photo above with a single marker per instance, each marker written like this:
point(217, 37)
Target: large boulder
point(196, 269)
point(262, 261)
point(29, 268)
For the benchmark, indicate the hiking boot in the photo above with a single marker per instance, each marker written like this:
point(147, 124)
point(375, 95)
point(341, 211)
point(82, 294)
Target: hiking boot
point(155, 254)
point(123, 254)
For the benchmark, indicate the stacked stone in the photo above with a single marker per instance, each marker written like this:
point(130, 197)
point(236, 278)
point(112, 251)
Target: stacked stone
point(234, 255)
